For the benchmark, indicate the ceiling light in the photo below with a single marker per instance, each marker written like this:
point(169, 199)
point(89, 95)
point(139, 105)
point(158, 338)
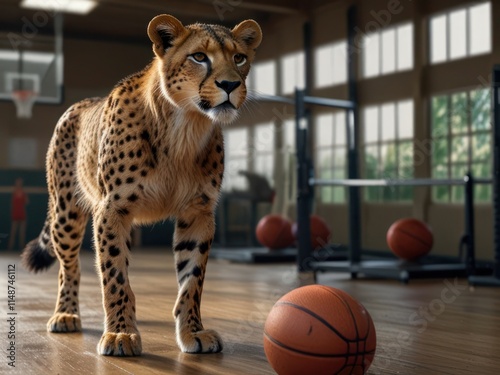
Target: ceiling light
point(66, 6)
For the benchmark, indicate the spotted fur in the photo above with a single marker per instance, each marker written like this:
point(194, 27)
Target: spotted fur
point(151, 149)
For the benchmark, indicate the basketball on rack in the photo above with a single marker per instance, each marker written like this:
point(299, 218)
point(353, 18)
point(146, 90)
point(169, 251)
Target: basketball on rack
point(274, 232)
point(320, 232)
point(319, 330)
point(410, 239)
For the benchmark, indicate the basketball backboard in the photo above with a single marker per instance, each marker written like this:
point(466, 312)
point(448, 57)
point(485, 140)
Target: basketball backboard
point(32, 70)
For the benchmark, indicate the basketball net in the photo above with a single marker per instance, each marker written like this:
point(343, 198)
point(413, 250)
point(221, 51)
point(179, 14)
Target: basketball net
point(24, 100)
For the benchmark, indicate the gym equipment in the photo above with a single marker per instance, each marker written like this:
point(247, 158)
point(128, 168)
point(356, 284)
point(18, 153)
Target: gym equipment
point(494, 279)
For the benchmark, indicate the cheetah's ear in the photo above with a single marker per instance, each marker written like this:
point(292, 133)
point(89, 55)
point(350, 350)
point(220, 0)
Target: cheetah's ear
point(249, 33)
point(163, 30)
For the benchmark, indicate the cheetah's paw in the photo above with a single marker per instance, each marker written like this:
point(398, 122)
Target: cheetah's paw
point(63, 322)
point(205, 341)
point(120, 344)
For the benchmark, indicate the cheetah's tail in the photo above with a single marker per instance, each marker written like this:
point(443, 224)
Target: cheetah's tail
point(38, 254)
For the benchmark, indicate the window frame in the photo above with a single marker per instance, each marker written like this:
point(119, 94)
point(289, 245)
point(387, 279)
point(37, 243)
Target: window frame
point(468, 32)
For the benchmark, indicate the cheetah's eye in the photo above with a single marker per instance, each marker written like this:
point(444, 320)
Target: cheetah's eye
point(199, 57)
point(240, 59)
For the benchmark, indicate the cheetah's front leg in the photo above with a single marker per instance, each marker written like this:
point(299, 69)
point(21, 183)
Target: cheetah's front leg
point(192, 240)
point(112, 242)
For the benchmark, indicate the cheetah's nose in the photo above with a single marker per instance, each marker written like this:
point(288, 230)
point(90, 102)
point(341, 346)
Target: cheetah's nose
point(228, 86)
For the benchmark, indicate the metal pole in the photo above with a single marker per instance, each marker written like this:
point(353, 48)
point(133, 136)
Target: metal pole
point(352, 124)
point(470, 256)
point(496, 167)
point(303, 188)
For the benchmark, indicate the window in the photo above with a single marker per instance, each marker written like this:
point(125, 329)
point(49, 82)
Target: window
point(289, 135)
point(262, 78)
point(461, 142)
point(460, 33)
point(263, 146)
point(290, 160)
point(388, 146)
point(388, 51)
point(330, 64)
point(331, 153)
point(292, 72)
point(236, 155)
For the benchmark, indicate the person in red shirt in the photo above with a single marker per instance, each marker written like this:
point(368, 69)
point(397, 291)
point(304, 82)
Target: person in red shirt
point(18, 215)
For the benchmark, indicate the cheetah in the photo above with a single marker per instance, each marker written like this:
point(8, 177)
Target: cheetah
point(152, 149)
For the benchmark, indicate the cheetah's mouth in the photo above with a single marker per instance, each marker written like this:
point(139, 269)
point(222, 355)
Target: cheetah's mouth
point(223, 113)
point(206, 106)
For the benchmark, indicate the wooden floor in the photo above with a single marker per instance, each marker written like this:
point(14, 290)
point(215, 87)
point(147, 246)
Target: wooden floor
point(425, 328)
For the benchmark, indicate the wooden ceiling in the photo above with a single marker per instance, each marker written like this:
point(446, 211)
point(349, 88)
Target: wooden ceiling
point(126, 20)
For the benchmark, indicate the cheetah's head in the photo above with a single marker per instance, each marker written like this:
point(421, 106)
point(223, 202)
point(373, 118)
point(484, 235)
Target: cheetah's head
point(203, 67)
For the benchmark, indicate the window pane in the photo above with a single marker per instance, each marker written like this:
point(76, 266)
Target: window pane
point(264, 137)
point(371, 171)
point(324, 130)
point(324, 66)
point(371, 124)
point(371, 60)
point(440, 193)
point(388, 51)
point(232, 180)
point(482, 193)
point(236, 149)
point(340, 63)
point(440, 152)
point(438, 39)
point(405, 154)
point(292, 72)
point(331, 64)
point(327, 191)
point(325, 158)
point(459, 148)
point(339, 154)
point(481, 147)
point(388, 124)
point(439, 116)
point(371, 162)
point(388, 156)
point(481, 109)
point(405, 47)
point(480, 28)
point(459, 113)
point(457, 192)
point(458, 34)
point(340, 127)
point(265, 77)
point(405, 119)
point(236, 142)
point(339, 193)
point(289, 134)
point(263, 165)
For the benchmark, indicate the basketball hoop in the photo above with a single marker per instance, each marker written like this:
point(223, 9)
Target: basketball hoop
point(24, 100)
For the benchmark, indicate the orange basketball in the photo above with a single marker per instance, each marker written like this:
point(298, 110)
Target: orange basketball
point(274, 232)
point(319, 330)
point(320, 233)
point(410, 238)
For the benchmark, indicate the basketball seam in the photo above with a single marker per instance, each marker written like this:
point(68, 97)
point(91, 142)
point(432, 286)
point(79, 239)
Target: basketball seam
point(314, 315)
point(358, 339)
point(279, 343)
point(414, 237)
point(362, 340)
